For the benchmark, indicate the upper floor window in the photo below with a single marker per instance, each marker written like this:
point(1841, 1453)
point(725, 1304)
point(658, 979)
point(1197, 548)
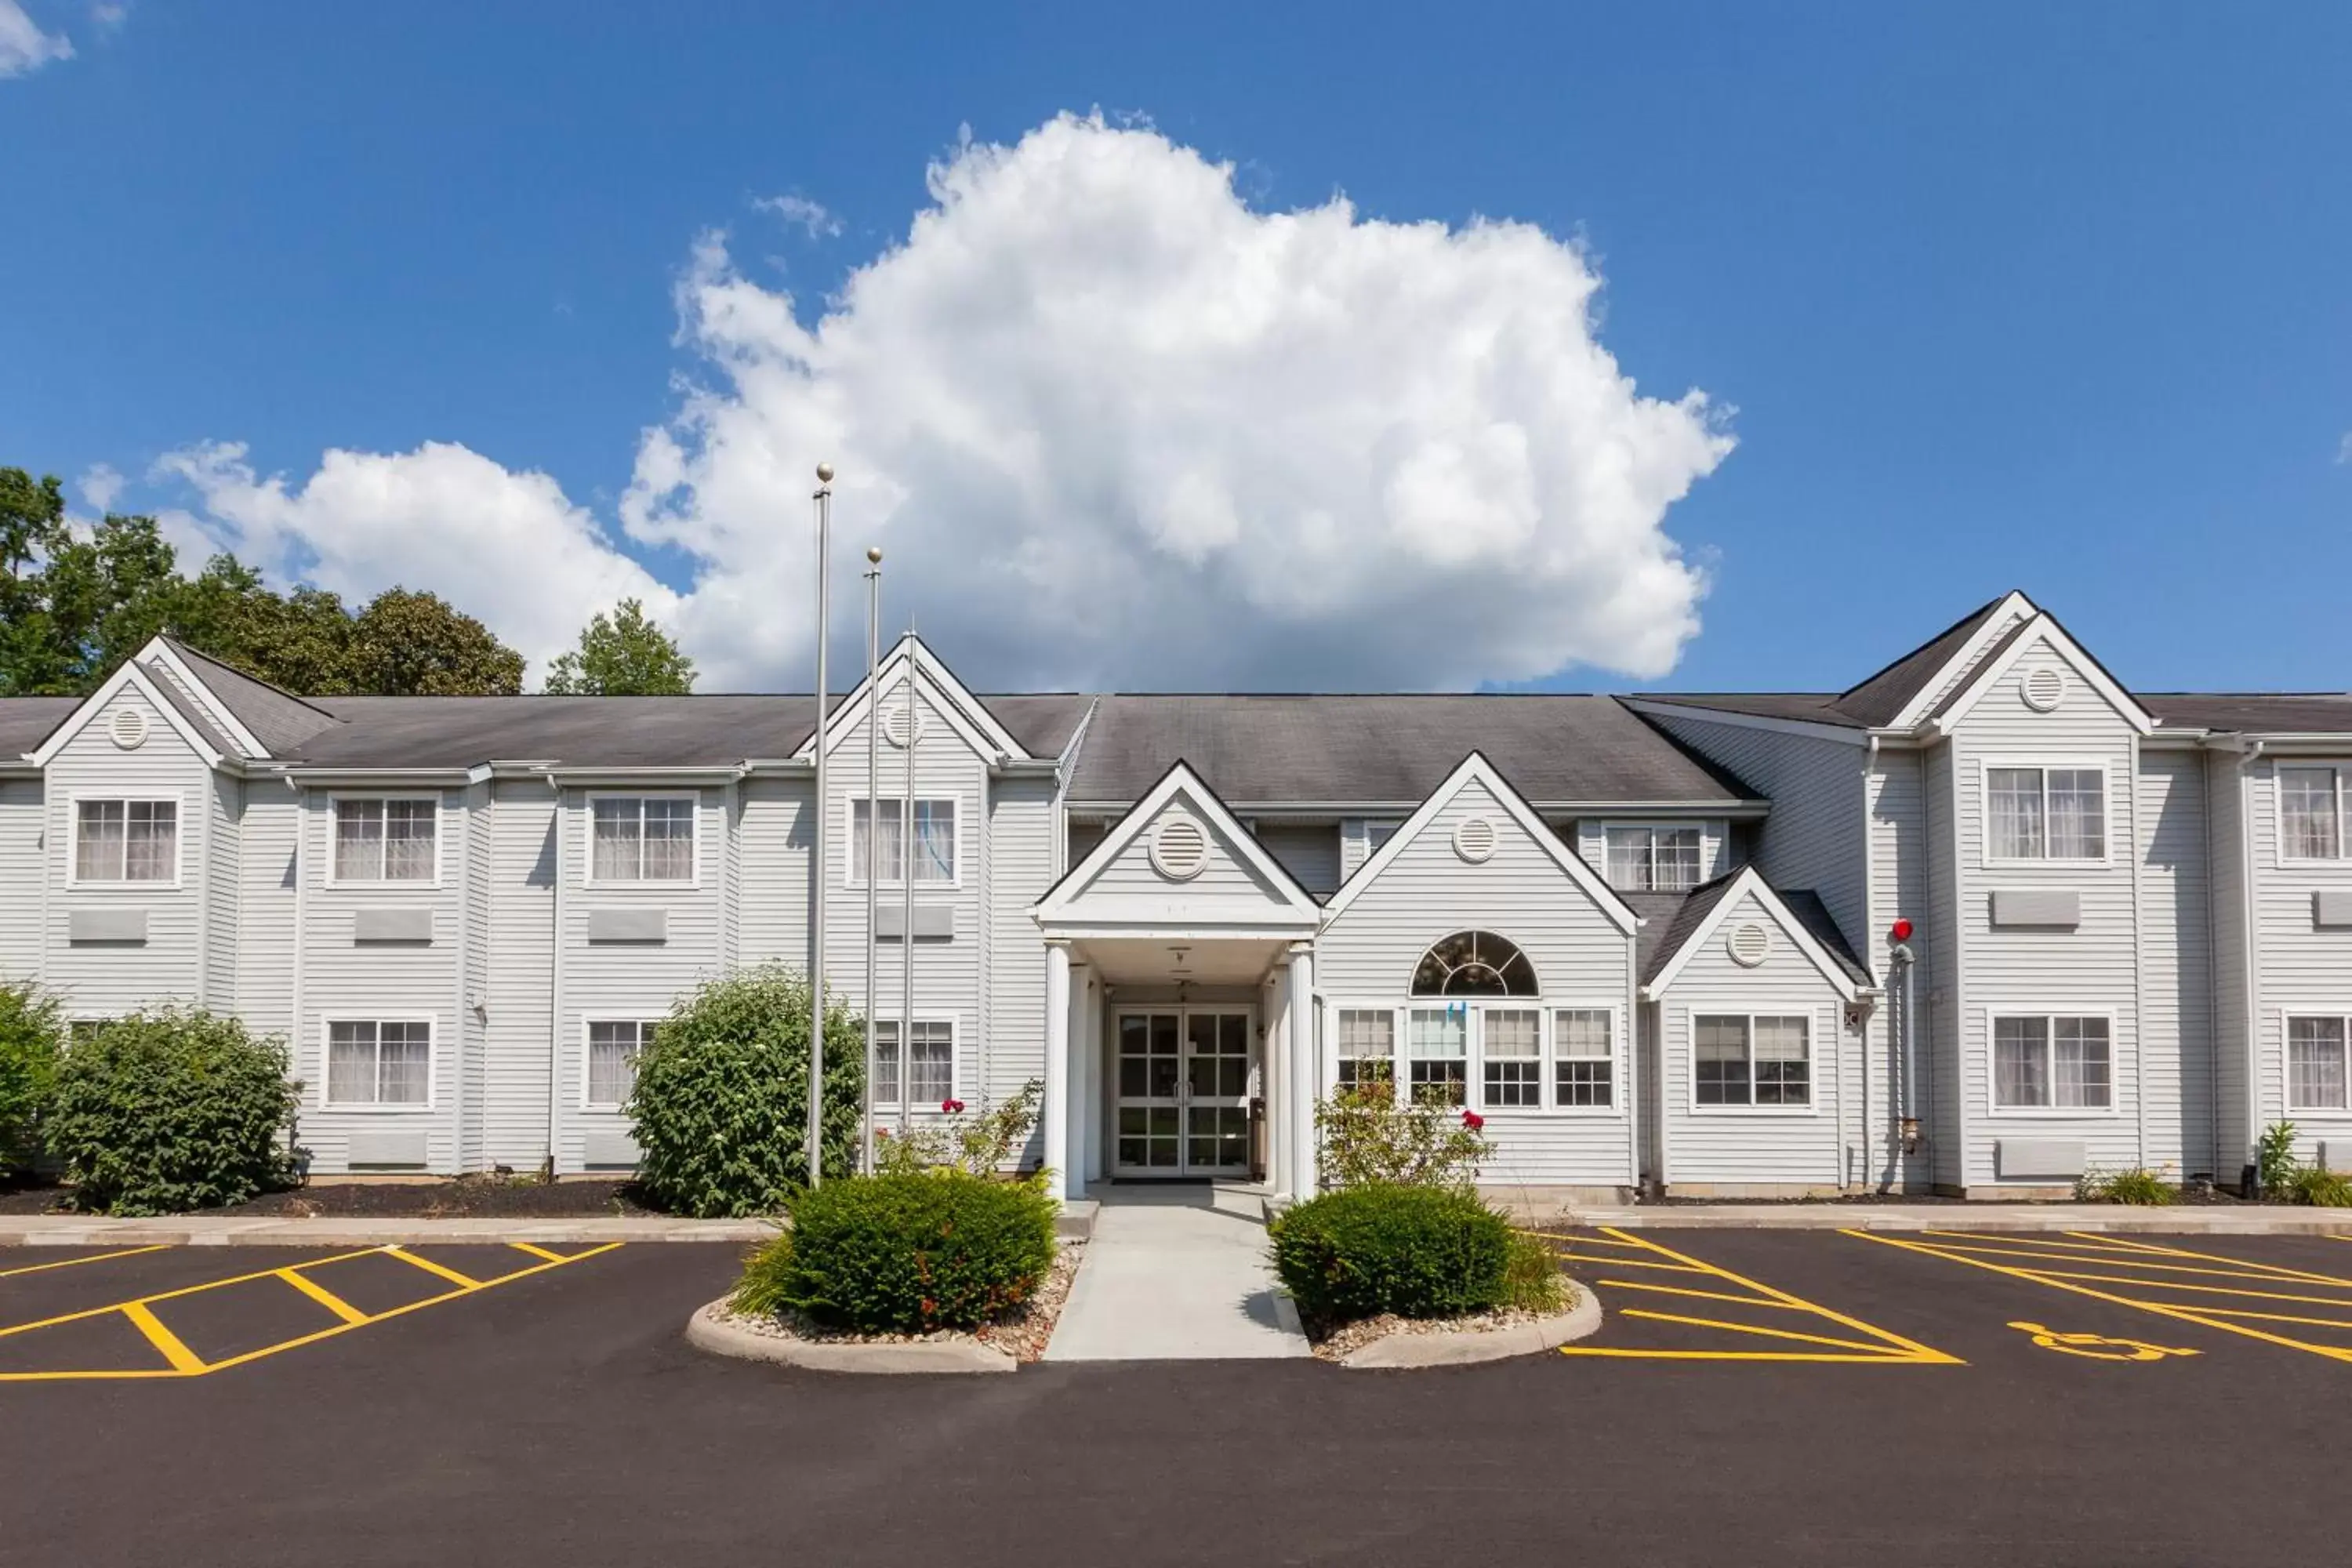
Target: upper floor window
point(1473, 964)
point(2311, 814)
point(935, 841)
point(385, 841)
point(127, 841)
point(2052, 1064)
point(2045, 813)
point(1653, 859)
point(642, 838)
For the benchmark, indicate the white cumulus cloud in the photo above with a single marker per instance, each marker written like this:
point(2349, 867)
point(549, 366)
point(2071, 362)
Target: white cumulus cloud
point(1113, 426)
point(23, 48)
point(813, 217)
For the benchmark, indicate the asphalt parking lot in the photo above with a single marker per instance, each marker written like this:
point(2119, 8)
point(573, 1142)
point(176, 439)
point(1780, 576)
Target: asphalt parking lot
point(1755, 1397)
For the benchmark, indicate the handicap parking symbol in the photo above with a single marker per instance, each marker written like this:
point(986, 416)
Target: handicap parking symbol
point(2099, 1347)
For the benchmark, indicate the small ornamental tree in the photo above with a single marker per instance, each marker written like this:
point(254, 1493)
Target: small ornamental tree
point(32, 1034)
point(721, 1106)
point(1365, 1135)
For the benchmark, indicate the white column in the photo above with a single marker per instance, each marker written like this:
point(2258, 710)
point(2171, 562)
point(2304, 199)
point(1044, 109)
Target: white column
point(1303, 1071)
point(1057, 1109)
point(1085, 1078)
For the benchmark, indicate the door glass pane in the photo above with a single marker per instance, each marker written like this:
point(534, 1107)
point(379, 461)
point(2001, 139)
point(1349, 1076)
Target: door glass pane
point(1134, 1044)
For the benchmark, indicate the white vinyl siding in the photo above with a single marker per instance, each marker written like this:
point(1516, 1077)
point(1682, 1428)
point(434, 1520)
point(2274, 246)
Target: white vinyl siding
point(2299, 967)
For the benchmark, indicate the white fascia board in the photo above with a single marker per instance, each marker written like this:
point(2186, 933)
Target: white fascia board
point(1053, 908)
point(1844, 734)
point(1476, 767)
point(965, 714)
point(127, 674)
point(2043, 628)
point(1914, 712)
point(1746, 880)
point(163, 652)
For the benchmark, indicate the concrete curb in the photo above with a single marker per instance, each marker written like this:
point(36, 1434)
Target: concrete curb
point(201, 1230)
point(1463, 1348)
point(2179, 1220)
point(706, 1332)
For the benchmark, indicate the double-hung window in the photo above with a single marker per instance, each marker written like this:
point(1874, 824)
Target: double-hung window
point(372, 1062)
point(934, 844)
point(642, 838)
point(613, 1048)
point(929, 1069)
point(1583, 1057)
point(385, 841)
point(1739, 1060)
point(2052, 1063)
point(1364, 1053)
point(2311, 814)
point(126, 841)
point(1437, 1054)
point(1652, 859)
point(2045, 813)
point(2316, 1075)
point(1510, 1046)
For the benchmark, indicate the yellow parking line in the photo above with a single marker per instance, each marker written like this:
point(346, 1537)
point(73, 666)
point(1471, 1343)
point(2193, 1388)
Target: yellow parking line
point(1911, 1347)
point(71, 1262)
point(182, 1359)
point(1875, 1358)
point(2201, 1290)
point(2068, 1243)
point(2275, 1270)
point(324, 1296)
point(2109, 1260)
point(1745, 1329)
point(1630, 1263)
point(430, 1267)
point(1702, 1295)
point(172, 1295)
point(536, 1251)
point(2277, 1317)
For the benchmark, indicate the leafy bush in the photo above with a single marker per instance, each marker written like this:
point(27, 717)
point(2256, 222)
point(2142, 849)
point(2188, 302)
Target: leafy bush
point(1531, 1277)
point(1417, 1251)
point(1367, 1138)
point(906, 1253)
point(32, 1034)
point(166, 1111)
point(2274, 1162)
point(978, 1145)
point(2322, 1188)
point(2135, 1185)
point(721, 1106)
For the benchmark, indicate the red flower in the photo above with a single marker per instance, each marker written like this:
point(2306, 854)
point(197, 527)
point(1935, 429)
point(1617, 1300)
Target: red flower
point(953, 1107)
point(1473, 1121)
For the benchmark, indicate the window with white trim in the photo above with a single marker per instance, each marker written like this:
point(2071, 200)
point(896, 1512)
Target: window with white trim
point(2045, 813)
point(613, 1048)
point(2316, 1070)
point(2311, 814)
point(1510, 1051)
point(1751, 1059)
point(935, 841)
point(642, 838)
point(1437, 1054)
point(1584, 1057)
point(929, 1073)
point(386, 840)
point(2057, 1062)
point(372, 1062)
point(1653, 859)
point(126, 840)
point(1364, 1051)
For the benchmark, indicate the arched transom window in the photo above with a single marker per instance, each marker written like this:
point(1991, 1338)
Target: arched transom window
point(1475, 963)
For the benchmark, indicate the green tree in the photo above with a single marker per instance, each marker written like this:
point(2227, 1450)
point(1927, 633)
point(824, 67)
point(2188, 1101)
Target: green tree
point(625, 654)
point(407, 644)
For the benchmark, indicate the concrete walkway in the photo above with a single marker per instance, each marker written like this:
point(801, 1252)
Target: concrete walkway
point(1177, 1273)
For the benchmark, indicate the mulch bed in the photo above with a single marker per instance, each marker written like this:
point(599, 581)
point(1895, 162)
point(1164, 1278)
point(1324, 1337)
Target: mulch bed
point(1022, 1335)
point(465, 1197)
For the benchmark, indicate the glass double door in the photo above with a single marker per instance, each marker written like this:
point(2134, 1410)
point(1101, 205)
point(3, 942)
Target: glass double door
point(1183, 1092)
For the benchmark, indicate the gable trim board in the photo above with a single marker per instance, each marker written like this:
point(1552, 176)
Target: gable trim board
point(912, 659)
point(161, 652)
point(98, 701)
point(1746, 882)
point(1996, 624)
point(2043, 629)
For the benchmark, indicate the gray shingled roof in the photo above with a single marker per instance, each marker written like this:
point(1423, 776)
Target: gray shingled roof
point(2254, 712)
point(1388, 749)
point(26, 722)
point(278, 719)
point(1671, 920)
point(1876, 700)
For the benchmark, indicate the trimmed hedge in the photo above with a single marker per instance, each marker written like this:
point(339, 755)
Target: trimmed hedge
point(170, 1110)
point(32, 1037)
point(1419, 1252)
point(906, 1253)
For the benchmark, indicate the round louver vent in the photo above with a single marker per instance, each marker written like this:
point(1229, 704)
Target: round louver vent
point(1749, 944)
point(128, 728)
point(2045, 689)
point(1180, 850)
point(1473, 840)
point(902, 726)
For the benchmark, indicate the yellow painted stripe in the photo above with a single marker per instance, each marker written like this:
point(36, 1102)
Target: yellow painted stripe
point(2275, 1270)
point(174, 1295)
point(71, 1262)
point(536, 1251)
point(1887, 1336)
point(445, 1272)
point(324, 1296)
point(2278, 1316)
point(1702, 1295)
point(1633, 1263)
point(1745, 1329)
point(2110, 1260)
point(2239, 1290)
point(184, 1361)
point(1875, 1358)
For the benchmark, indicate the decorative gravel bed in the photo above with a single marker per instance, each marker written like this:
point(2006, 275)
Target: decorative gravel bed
point(1334, 1343)
point(1022, 1335)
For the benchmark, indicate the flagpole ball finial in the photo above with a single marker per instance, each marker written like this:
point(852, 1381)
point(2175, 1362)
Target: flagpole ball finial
point(874, 553)
point(825, 473)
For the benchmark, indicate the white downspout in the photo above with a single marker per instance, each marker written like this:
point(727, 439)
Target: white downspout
point(555, 982)
point(1869, 887)
point(2140, 978)
point(2254, 1129)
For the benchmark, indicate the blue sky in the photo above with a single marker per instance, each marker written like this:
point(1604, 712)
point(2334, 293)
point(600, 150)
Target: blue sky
point(1988, 295)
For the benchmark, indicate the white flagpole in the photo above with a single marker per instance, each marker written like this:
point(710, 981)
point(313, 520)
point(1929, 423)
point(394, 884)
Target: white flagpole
point(822, 805)
point(873, 815)
point(907, 893)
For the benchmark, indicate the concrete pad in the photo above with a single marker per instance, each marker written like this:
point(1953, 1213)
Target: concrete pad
point(1465, 1347)
point(1177, 1273)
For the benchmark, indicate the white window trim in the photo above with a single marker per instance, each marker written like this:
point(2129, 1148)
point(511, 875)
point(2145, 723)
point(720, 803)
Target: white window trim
point(1706, 870)
point(376, 1108)
point(2286, 1066)
point(955, 1063)
point(1995, 1110)
point(1816, 1081)
point(72, 836)
point(854, 867)
point(588, 878)
point(2278, 817)
point(586, 1105)
point(1474, 1050)
point(1329, 1076)
point(1616, 1108)
point(440, 812)
point(2110, 824)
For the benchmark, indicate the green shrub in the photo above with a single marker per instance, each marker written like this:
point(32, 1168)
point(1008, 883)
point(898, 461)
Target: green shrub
point(2274, 1162)
point(1531, 1277)
point(721, 1106)
point(2326, 1189)
point(1367, 1139)
point(1419, 1252)
point(2135, 1185)
point(980, 1144)
point(906, 1253)
point(32, 1034)
point(166, 1111)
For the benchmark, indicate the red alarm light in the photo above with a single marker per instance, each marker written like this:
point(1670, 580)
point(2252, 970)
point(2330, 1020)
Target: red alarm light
point(1901, 932)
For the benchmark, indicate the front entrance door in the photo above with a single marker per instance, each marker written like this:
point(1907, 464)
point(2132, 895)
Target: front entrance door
point(1183, 1092)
